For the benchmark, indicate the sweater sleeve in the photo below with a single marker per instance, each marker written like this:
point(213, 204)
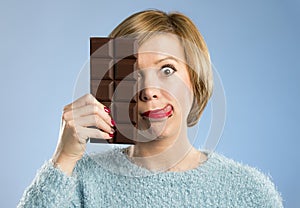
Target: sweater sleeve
point(51, 188)
point(261, 191)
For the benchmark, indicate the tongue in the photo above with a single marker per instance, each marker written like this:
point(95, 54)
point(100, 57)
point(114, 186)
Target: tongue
point(161, 111)
point(167, 108)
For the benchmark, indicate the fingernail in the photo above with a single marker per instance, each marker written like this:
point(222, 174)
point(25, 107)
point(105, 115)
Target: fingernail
point(112, 131)
point(111, 135)
point(113, 122)
point(106, 109)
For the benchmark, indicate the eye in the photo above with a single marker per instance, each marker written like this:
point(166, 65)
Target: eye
point(168, 70)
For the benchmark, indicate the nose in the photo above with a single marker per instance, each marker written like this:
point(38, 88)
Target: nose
point(149, 85)
point(149, 94)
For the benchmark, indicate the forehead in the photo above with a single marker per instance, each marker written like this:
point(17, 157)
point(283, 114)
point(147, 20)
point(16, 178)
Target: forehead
point(160, 46)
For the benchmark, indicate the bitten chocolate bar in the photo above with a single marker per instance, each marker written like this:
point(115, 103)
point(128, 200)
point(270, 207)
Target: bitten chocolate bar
point(114, 84)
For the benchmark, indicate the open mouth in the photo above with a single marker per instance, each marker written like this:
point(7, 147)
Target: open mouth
point(159, 113)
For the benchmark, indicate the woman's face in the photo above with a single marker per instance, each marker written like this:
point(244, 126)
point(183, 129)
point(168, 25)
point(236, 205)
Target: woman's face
point(166, 95)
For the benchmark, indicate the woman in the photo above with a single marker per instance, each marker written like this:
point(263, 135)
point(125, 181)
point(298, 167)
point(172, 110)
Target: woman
point(167, 171)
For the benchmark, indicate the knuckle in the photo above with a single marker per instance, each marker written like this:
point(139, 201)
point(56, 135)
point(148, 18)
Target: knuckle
point(89, 97)
point(95, 109)
point(70, 124)
point(75, 135)
point(64, 116)
point(97, 120)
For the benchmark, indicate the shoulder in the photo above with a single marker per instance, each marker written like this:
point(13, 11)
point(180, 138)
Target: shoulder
point(248, 184)
point(92, 162)
point(109, 162)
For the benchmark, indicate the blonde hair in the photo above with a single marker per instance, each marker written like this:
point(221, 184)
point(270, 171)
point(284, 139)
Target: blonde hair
point(143, 25)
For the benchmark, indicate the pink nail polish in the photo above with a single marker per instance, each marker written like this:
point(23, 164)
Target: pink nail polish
point(106, 109)
point(111, 135)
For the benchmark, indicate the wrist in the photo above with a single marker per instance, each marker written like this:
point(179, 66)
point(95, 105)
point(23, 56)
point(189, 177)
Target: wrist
point(65, 163)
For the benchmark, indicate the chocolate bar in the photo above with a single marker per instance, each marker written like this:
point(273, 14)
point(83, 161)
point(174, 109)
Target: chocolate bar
point(114, 84)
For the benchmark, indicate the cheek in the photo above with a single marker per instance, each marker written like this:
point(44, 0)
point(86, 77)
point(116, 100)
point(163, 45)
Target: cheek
point(181, 93)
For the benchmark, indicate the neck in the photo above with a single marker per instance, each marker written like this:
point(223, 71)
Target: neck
point(165, 154)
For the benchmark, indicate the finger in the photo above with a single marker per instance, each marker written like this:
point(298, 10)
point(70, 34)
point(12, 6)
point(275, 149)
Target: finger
point(88, 110)
point(82, 101)
point(85, 133)
point(94, 120)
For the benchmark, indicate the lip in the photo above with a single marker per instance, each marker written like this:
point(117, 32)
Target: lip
point(159, 113)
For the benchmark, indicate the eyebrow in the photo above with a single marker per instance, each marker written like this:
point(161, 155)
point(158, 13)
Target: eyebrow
point(166, 58)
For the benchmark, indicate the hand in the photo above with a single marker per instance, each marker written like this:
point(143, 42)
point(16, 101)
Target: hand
point(77, 118)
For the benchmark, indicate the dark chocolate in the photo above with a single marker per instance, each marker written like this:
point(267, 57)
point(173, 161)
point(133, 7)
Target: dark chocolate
point(113, 83)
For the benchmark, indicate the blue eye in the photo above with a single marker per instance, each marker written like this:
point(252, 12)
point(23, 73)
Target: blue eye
point(168, 70)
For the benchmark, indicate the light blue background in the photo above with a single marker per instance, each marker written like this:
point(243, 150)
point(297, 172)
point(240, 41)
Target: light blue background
point(254, 46)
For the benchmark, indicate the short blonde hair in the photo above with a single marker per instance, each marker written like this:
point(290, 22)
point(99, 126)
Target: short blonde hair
point(144, 24)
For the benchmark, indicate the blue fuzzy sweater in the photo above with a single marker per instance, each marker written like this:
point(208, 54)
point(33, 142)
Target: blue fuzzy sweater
point(110, 180)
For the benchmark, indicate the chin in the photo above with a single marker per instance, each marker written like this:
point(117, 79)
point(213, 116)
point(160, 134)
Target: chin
point(162, 129)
